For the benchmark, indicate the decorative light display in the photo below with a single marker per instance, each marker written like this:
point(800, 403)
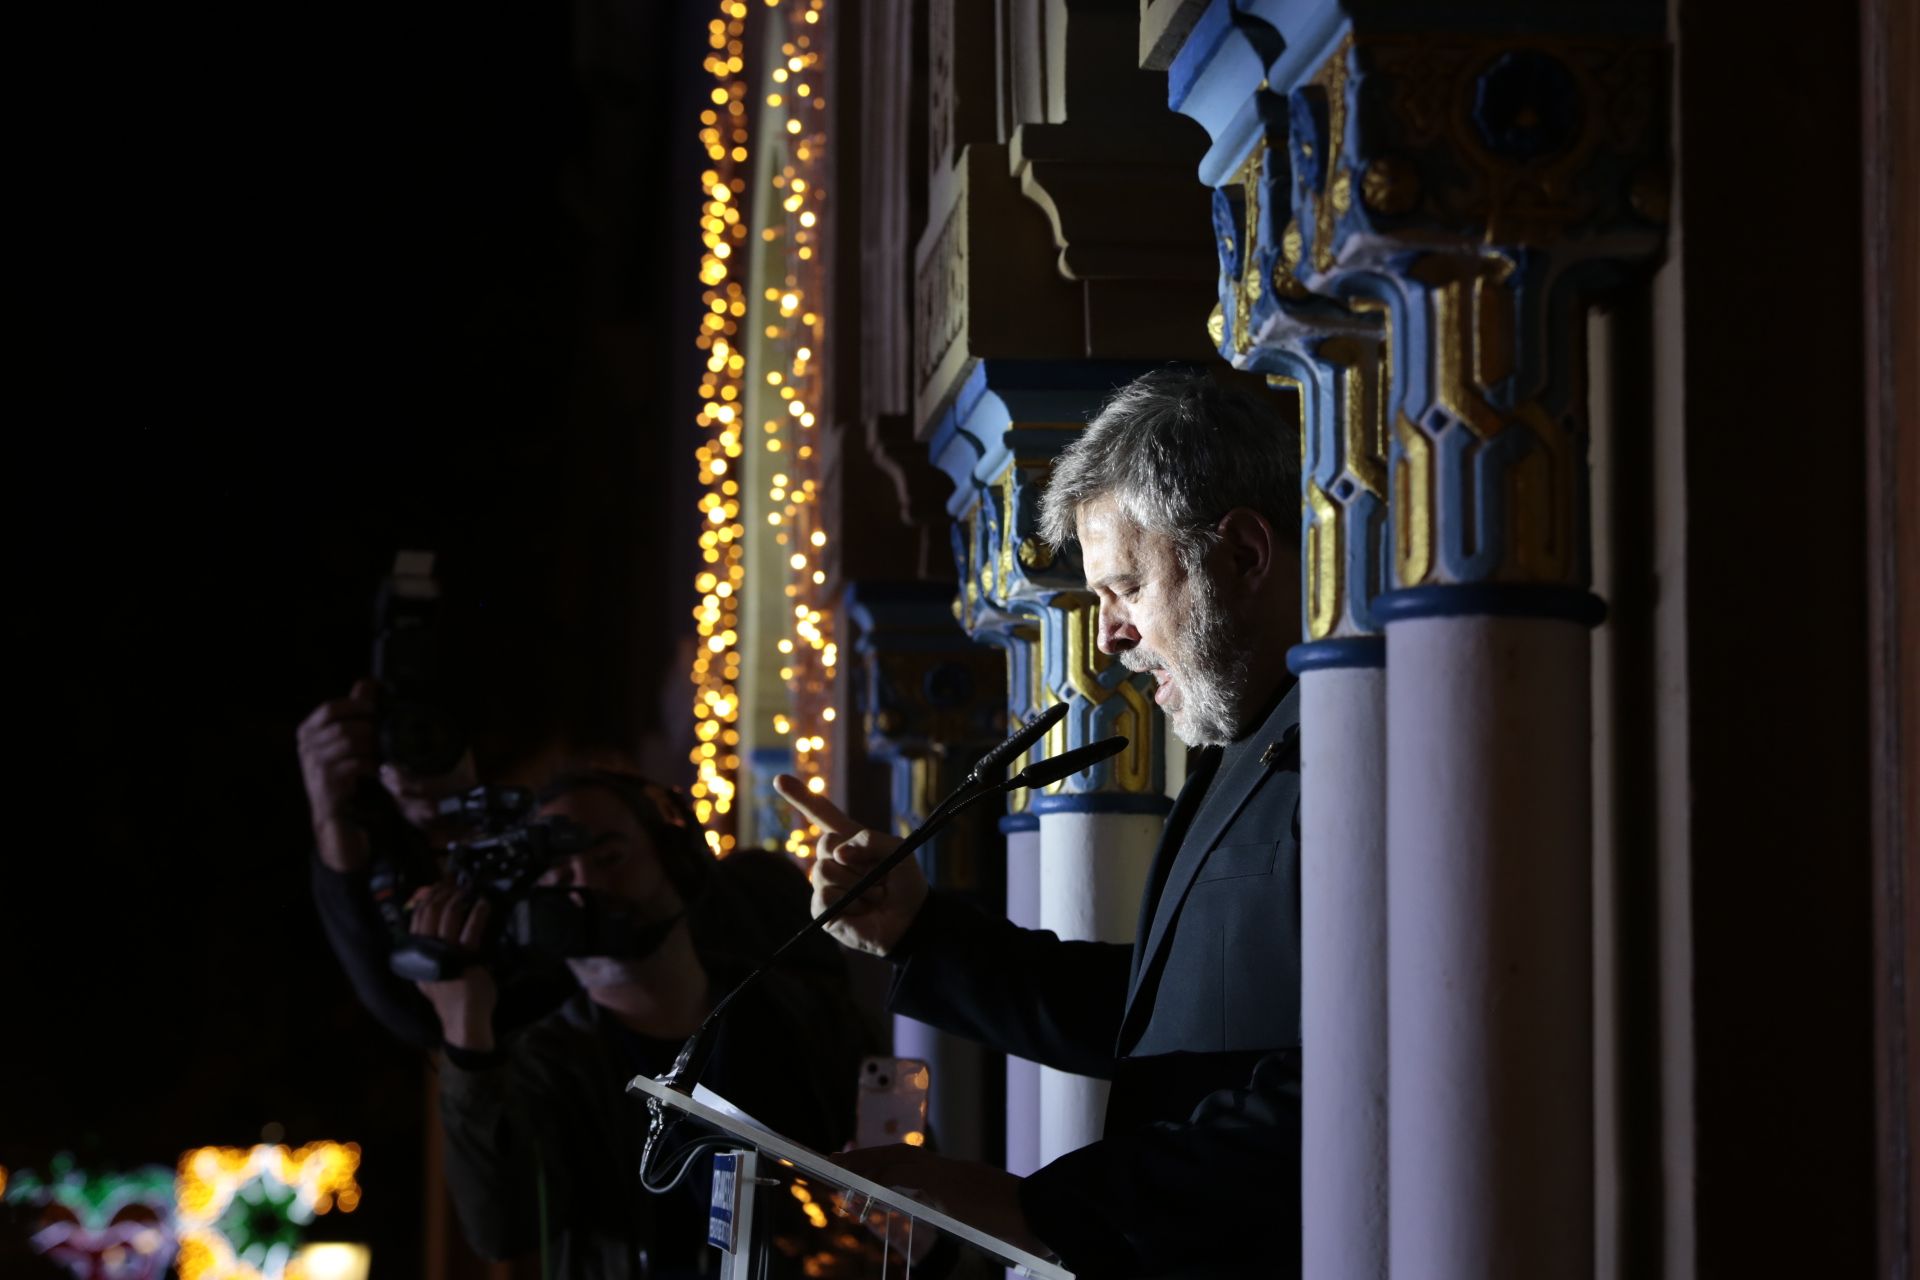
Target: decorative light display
point(794, 332)
point(98, 1224)
point(795, 335)
point(240, 1210)
point(723, 226)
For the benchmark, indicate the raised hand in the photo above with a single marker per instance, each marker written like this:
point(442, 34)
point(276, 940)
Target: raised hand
point(846, 851)
point(337, 750)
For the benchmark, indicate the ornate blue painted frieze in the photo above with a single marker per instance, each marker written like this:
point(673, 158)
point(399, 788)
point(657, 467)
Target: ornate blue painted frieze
point(1413, 207)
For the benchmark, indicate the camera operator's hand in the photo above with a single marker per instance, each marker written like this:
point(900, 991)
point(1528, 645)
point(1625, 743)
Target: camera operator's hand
point(464, 1004)
point(339, 748)
point(846, 851)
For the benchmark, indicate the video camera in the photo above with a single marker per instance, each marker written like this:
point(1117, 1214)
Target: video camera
point(503, 862)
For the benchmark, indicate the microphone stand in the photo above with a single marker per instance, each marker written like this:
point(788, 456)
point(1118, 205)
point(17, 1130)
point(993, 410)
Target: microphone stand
point(978, 786)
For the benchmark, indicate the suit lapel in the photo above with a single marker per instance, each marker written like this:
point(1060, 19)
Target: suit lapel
point(1202, 764)
point(1237, 781)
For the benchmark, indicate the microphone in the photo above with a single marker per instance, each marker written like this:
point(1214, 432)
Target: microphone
point(998, 758)
point(1046, 772)
point(692, 1060)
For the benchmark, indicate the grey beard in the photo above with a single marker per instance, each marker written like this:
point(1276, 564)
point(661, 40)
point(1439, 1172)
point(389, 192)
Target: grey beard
point(605, 971)
point(1212, 670)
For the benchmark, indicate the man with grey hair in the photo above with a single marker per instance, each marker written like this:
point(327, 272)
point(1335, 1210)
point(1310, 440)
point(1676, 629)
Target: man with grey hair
point(1184, 497)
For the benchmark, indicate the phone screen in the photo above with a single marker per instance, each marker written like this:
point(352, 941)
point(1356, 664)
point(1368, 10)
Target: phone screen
point(892, 1103)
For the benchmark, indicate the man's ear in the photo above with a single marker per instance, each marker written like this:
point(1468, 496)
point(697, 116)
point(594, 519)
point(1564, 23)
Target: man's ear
point(1250, 545)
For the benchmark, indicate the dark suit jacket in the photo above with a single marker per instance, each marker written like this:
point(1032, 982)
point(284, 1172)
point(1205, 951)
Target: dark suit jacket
point(1197, 1026)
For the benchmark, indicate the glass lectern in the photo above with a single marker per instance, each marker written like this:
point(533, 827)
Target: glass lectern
point(781, 1208)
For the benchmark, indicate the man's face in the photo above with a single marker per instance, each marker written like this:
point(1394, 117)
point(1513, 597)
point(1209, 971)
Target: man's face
point(620, 859)
point(1157, 618)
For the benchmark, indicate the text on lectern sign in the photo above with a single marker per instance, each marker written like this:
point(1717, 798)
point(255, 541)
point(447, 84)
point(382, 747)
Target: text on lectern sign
point(720, 1215)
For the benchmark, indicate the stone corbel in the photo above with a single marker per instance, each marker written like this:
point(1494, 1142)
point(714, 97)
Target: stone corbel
point(1122, 205)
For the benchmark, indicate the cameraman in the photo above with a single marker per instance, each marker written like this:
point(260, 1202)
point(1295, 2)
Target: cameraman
point(365, 812)
point(540, 1137)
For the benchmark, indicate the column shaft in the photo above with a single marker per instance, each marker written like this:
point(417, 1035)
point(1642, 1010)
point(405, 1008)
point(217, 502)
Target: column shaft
point(1023, 1077)
point(1093, 867)
point(1489, 903)
point(1343, 1013)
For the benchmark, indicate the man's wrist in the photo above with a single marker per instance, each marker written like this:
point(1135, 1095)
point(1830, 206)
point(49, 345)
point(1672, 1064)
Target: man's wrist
point(903, 946)
point(342, 846)
point(467, 1032)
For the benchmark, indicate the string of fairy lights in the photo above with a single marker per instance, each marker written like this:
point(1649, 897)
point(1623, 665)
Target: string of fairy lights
point(794, 111)
point(794, 333)
point(723, 236)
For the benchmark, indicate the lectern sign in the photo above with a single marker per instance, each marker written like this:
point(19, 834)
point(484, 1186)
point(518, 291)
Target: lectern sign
point(720, 1214)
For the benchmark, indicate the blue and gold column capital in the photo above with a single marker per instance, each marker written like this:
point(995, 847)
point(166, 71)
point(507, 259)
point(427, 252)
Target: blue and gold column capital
point(1414, 206)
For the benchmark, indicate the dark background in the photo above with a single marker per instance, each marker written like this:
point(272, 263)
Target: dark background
point(303, 287)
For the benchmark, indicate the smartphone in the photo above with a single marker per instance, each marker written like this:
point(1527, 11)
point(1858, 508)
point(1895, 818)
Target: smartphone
point(892, 1106)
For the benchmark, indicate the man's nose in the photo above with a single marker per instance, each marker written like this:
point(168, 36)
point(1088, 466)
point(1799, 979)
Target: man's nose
point(1116, 634)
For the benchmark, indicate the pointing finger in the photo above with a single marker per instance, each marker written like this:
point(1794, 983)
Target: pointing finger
point(817, 809)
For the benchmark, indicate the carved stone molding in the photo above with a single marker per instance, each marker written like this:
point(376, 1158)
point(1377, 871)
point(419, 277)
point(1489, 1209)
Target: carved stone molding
point(1066, 225)
point(986, 284)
